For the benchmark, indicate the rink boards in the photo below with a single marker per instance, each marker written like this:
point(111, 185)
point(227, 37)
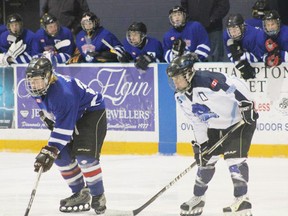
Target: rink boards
point(141, 111)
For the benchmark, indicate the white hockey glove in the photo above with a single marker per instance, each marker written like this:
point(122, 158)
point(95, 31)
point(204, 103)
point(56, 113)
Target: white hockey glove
point(16, 49)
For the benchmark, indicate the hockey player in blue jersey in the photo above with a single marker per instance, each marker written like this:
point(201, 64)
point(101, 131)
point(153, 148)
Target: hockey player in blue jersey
point(243, 45)
point(259, 9)
point(77, 117)
point(214, 102)
point(53, 38)
point(185, 37)
point(142, 48)
point(16, 43)
point(89, 42)
point(275, 40)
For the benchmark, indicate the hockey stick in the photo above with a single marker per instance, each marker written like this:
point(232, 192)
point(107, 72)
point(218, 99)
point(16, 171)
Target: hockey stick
point(141, 208)
point(33, 191)
point(111, 48)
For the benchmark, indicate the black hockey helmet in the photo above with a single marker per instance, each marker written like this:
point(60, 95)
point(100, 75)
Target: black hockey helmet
point(38, 68)
point(141, 29)
point(178, 9)
point(236, 21)
point(47, 19)
point(182, 66)
point(90, 17)
point(259, 8)
point(15, 18)
point(272, 15)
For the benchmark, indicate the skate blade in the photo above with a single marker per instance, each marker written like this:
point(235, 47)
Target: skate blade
point(76, 208)
point(194, 212)
point(246, 212)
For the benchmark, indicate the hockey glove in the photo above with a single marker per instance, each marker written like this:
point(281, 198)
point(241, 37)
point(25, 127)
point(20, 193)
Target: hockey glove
point(142, 61)
point(16, 49)
point(178, 47)
point(247, 71)
point(235, 49)
point(45, 158)
point(125, 57)
point(48, 122)
point(199, 149)
point(273, 59)
point(270, 45)
point(248, 112)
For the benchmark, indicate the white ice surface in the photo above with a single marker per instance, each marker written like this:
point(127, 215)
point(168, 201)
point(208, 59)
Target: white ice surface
point(130, 181)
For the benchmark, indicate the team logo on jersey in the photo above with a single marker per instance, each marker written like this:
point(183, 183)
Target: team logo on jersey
point(214, 83)
point(203, 112)
point(172, 38)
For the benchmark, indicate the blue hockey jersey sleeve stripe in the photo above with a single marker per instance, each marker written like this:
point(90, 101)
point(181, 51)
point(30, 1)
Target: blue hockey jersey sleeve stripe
point(63, 131)
point(54, 140)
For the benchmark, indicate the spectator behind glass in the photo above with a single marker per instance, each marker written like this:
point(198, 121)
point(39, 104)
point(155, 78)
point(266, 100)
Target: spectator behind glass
point(90, 45)
point(142, 48)
point(185, 37)
point(258, 11)
point(53, 39)
point(243, 45)
point(16, 43)
point(68, 12)
point(210, 14)
point(275, 39)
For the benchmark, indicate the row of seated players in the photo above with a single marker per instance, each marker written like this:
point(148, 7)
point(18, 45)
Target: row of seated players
point(244, 43)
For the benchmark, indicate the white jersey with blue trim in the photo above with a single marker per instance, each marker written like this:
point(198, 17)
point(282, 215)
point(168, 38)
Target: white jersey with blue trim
point(68, 99)
point(213, 102)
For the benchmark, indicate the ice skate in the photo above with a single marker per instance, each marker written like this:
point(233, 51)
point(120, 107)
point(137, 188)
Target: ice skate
point(240, 207)
point(77, 202)
point(99, 204)
point(193, 207)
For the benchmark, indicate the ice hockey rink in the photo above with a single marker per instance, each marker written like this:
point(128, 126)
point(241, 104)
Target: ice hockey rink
point(131, 180)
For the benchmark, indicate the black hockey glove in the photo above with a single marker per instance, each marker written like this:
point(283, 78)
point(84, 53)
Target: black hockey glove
point(235, 49)
point(48, 122)
point(45, 158)
point(142, 61)
point(178, 47)
point(248, 112)
point(125, 58)
point(247, 71)
point(199, 149)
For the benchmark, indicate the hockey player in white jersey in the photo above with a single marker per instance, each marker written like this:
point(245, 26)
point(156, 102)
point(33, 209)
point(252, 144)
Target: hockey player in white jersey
point(77, 120)
point(214, 103)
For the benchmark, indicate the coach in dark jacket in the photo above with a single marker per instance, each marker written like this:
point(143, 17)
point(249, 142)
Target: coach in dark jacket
point(68, 12)
point(210, 14)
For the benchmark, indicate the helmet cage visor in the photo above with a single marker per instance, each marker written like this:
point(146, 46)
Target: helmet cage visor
point(271, 27)
point(89, 24)
point(236, 32)
point(177, 19)
point(135, 38)
point(37, 81)
point(182, 81)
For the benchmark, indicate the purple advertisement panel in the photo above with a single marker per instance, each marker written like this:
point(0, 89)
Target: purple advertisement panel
point(129, 96)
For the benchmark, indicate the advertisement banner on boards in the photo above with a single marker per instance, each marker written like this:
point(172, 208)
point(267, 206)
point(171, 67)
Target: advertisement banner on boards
point(129, 95)
point(6, 98)
point(270, 92)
